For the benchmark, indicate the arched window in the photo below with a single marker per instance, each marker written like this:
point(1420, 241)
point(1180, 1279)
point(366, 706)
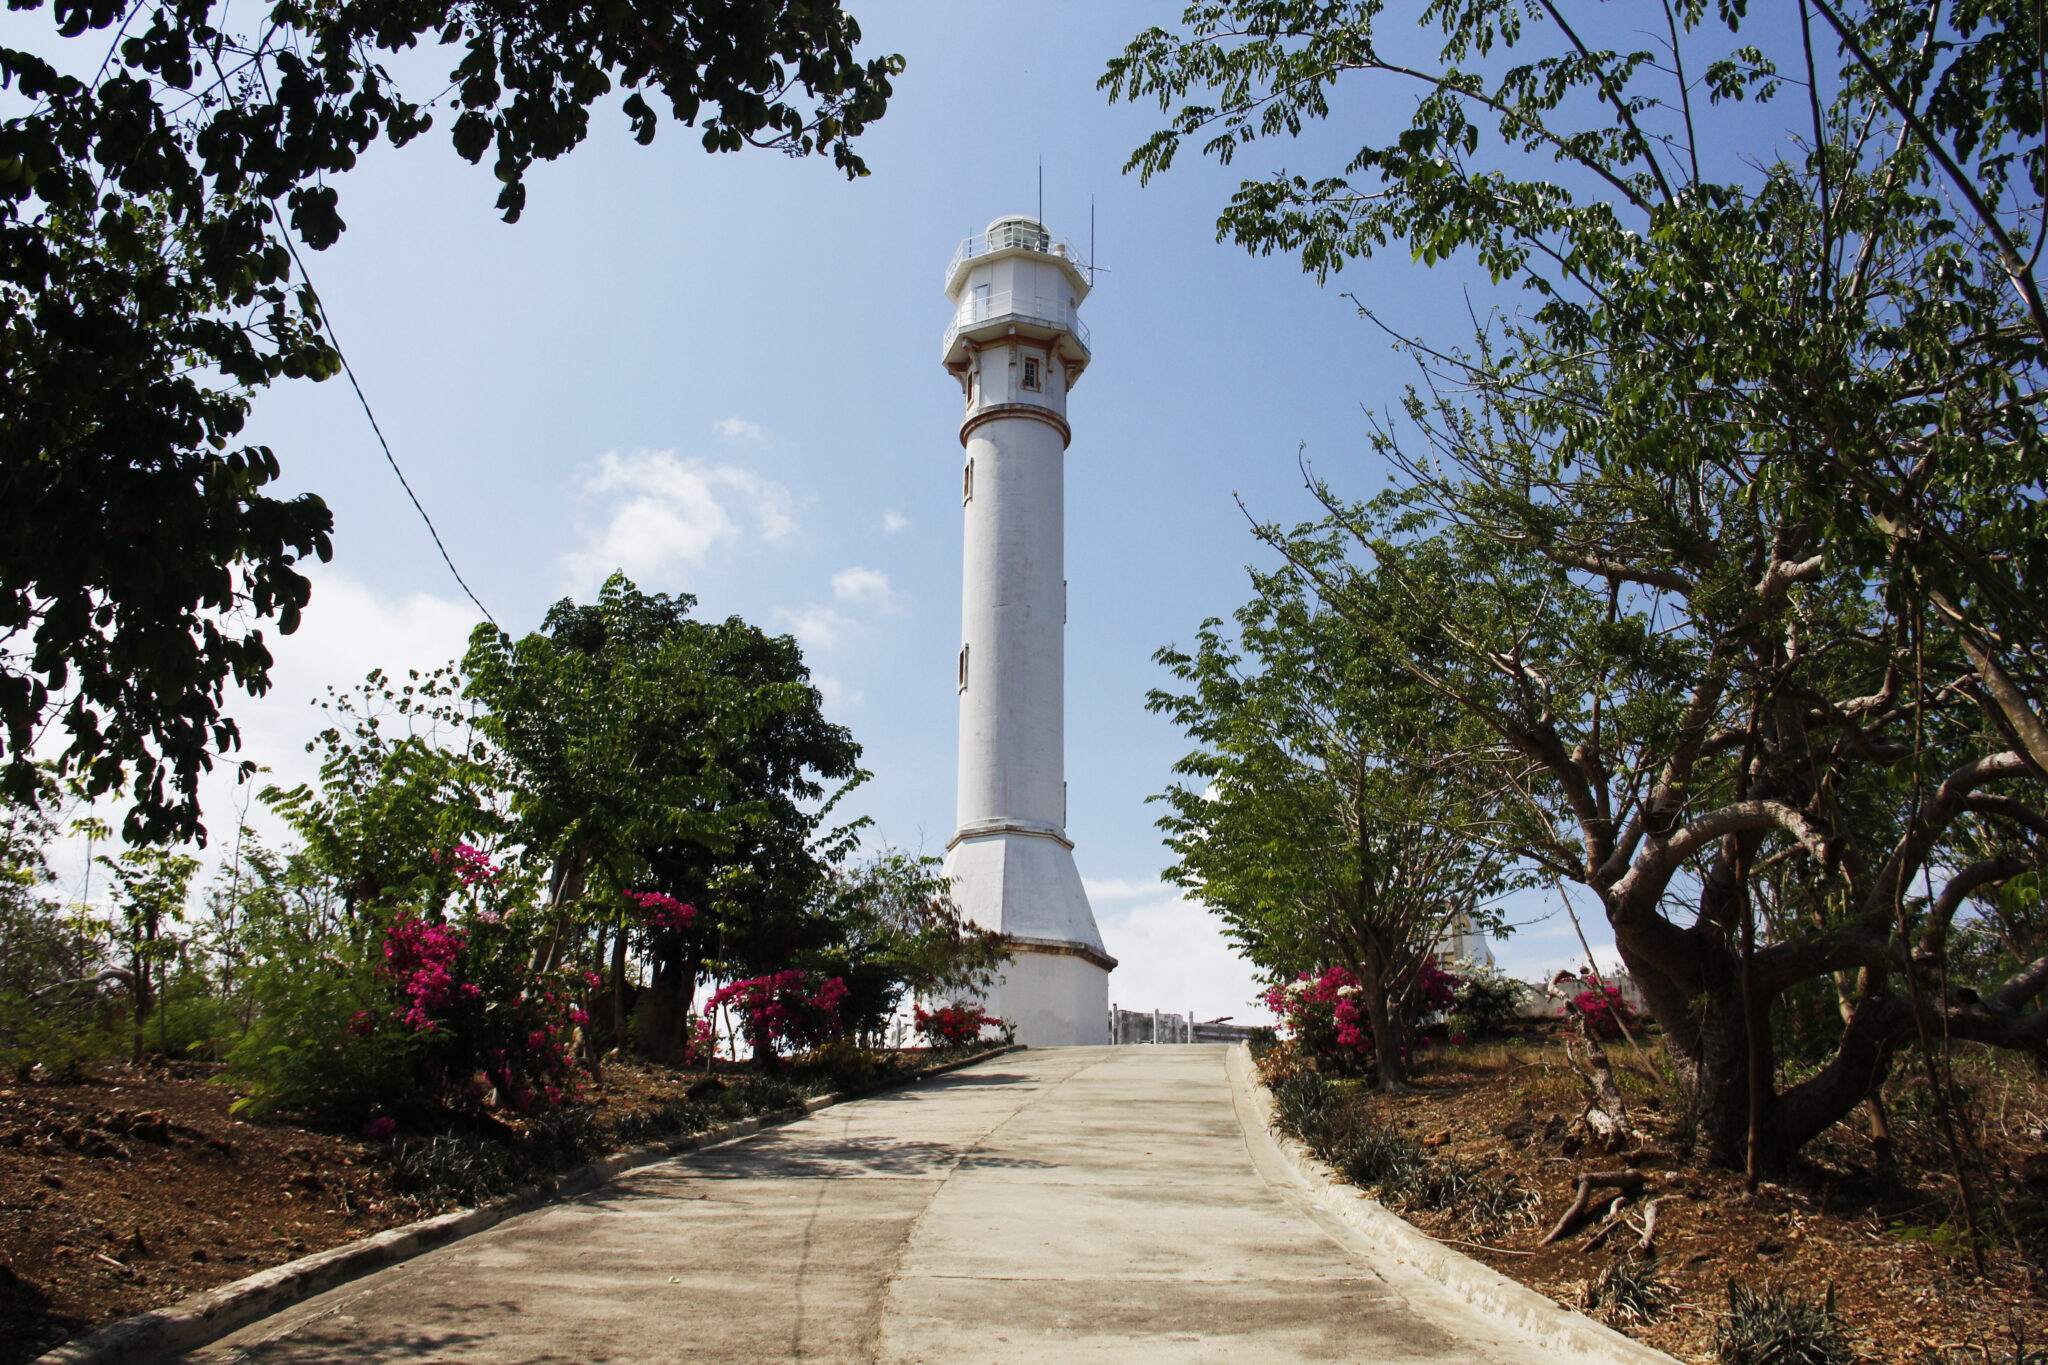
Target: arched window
point(963, 668)
point(967, 481)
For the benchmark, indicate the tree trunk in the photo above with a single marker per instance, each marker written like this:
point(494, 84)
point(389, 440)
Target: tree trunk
point(661, 1019)
point(618, 984)
point(1389, 1056)
point(145, 994)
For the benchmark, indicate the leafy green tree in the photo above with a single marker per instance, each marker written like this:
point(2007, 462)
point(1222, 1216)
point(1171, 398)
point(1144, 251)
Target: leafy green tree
point(661, 753)
point(405, 781)
point(1729, 540)
point(1323, 817)
point(53, 958)
point(148, 289)
point(889, 928)
point(152, 885)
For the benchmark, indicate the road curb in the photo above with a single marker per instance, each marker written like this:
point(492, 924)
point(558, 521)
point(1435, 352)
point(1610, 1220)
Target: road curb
point(193, 1322)
point(1541, 1320)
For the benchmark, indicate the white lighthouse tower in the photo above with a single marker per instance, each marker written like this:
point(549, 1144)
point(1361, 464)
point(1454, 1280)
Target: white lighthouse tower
point(1017, 347)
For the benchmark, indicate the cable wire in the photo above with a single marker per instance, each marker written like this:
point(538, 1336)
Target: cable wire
point(327, 323)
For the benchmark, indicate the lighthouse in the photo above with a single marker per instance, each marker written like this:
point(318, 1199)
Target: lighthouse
point(1017, 348)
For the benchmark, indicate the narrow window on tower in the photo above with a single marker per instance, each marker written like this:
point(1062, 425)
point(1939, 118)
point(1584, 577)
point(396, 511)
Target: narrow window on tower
point(1031, 383)
point(963, 668)
point(967, 482)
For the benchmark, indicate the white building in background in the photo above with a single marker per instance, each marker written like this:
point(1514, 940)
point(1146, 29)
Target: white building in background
point(1017, 347)
point(1464, 942)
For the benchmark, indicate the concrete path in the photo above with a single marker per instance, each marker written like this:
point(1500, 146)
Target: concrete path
point(1099, 1204)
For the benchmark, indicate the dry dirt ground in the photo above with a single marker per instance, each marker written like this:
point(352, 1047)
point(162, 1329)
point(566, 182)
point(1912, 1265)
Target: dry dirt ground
point(134, 1189)
point(1881, 1238)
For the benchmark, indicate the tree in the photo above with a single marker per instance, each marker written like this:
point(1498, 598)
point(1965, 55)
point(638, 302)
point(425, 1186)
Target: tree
point(148, 289)
point(405, 780)
point(1322, 818)
point(152, 888)
point(888, 928)
point(656, 752)
point(1729, 540)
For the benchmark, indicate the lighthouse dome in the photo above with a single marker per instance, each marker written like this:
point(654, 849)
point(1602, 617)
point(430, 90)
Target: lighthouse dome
point(1016, 230)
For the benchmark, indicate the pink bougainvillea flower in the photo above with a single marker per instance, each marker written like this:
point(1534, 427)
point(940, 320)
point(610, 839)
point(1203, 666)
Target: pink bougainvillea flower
point(663, 912)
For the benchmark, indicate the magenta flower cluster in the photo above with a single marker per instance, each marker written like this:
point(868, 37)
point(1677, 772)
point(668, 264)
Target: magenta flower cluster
point(419, 958)
point(471, 864)
point(953, 1025)
point(1604, 1011)
point(664, 913)
point(793, 1008)
point(1325, 1011)
point(477, 1021)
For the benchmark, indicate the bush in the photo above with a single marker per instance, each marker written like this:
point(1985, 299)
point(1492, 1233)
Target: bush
point(955, 1025)
point(466, 1169)
point(1629, 1291)
point(846, 1064)
point(1374, 1156)
point(418, 1019)
point(1604, 1012)
point(1327, 1019)
point(1304, 1108)
point(789, 1008)
point(1489, 999)
point(1770, 1327)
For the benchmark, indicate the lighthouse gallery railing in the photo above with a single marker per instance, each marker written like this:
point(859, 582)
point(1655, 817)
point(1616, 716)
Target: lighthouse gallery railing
point(1038, 311)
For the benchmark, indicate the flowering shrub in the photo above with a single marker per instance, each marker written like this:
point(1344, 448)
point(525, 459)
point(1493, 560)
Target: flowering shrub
point(953, 1025)
point(1604, 1011)
point(703, 1044)
point(419, 959)
point(662, 913)
point(471, 864)
point(447, 1016)
point(790, 1008)
point(1326, 1016)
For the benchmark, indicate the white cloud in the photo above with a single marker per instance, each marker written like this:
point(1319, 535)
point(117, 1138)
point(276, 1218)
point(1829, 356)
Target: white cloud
point(740, 431)
point(835, 693)
point(1171, 953)
point(816, 627)
point(664, 514)
point(894, 521)
point(862, 587)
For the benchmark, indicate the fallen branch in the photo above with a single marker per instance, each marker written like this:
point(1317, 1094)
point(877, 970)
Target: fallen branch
point(1481, 1246)
point(1606, 1113)
point(1616, 1215)
point(113, 974)
point(1629, 1183)
point(1648, 1244)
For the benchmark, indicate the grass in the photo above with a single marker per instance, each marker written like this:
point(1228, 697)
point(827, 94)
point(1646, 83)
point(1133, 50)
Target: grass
point(1771, 1327)
point(1333, 1121)
point(1629, 1291)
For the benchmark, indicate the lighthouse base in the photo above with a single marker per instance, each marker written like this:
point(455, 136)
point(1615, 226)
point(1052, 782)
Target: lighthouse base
point(1054, 999)
point(1055, 988)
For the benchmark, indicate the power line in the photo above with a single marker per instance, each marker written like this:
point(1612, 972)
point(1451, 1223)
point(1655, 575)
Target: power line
point(327, 323)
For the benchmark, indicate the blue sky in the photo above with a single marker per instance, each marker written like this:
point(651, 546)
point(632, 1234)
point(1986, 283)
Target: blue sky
point(721, 374)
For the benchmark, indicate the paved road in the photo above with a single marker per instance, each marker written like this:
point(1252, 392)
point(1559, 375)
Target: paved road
point(1097, 1204)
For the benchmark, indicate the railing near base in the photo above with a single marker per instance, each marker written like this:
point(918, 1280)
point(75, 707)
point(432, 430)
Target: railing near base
point(1131, 1027)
